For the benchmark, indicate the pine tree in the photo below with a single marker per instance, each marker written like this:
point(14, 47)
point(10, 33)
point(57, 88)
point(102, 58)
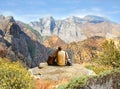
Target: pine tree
point(110, 54)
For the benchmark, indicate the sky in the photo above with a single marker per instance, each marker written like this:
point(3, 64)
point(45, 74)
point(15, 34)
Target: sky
point(32, 10)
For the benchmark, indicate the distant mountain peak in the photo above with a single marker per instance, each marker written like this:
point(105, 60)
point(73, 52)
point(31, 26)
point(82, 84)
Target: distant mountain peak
point(95, 19)
point(87, 18)
point(10, 18)
point(47, 18)
point(93, 16)
point(73, 19)
point(75, 28)
point(2, 17)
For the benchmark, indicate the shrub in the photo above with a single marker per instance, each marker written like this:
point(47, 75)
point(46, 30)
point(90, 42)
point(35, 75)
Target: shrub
point(110, 54)
point(79, 81)
point(14, 76)
point(97, 69)
point(63, 86)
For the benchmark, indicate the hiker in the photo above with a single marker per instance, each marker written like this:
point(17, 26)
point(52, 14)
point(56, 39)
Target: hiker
point(60, 58)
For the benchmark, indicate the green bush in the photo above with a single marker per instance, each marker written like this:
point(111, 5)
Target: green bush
point(77, 81)
point(14, 76)
point(97, 69)
point(110, 54)
point(63, 86)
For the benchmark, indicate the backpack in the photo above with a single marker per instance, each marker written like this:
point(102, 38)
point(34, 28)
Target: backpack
point(69, 62)
point(50, 60)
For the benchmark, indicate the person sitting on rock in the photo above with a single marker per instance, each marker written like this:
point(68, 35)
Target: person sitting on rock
point(59, 57)
point(62, 57)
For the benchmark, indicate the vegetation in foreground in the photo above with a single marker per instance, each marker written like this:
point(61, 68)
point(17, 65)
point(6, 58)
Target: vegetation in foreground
point(14, 76)
point(82, 81)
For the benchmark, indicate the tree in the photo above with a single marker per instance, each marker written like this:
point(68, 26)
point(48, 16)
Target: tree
point(110, 54)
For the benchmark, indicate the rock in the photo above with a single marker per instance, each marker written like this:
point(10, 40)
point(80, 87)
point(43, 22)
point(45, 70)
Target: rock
point(42, 65)
point(57, 72)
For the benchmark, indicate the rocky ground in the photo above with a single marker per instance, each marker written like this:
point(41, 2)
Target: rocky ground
point(49, 77)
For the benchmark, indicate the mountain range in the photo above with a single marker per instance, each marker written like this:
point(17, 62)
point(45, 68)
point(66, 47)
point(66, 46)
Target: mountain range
point(32, 43)
point(77, 29)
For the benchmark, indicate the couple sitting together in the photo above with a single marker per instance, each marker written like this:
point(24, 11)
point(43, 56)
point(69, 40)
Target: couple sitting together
point(59, 57)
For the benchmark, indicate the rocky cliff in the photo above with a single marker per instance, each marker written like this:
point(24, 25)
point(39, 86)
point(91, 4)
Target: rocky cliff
point(20, 43)
point(77, 29)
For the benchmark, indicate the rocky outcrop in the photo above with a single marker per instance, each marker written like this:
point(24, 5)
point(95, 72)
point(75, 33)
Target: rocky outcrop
point(77, 29)
point(56, 73)
point(21, 44)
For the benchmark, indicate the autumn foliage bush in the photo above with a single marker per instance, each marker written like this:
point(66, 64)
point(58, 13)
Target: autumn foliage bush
point(14, 76)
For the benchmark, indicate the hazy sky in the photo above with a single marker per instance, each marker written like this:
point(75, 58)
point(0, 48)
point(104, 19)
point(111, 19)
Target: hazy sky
point(32, 10)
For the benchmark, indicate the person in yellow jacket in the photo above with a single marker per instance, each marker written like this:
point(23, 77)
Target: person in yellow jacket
point(62, 57)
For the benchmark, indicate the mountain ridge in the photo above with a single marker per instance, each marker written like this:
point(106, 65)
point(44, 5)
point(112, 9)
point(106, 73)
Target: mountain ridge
point(77, 29)
point(65, 31)
point(20, 43)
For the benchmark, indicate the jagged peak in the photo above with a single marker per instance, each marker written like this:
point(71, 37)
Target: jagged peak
point(87, 18)
point(10, 18)
point(73, 19)
point(2, 17)
point(95, 18)
point(47, 18)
